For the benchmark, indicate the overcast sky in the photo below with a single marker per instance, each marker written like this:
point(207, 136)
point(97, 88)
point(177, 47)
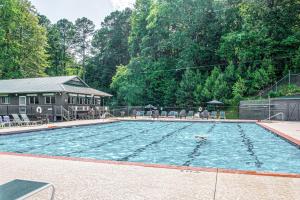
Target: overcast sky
point(95, 10)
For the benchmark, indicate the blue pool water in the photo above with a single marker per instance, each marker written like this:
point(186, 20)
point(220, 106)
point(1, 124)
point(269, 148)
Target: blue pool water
point(243, 146)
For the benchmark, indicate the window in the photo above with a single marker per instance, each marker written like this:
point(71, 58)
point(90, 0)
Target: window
point(72, 100)
point(97, 101)
point(49, 99)
point(33, 100)
point(81, 100)
point(4, 100)
point(88, 101)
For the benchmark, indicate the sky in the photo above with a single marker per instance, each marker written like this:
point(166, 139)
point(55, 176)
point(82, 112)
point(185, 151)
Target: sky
point(95, 10)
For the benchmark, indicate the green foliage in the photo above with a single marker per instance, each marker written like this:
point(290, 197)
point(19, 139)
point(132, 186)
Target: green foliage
point(187, 90)
point(239, 89)
point(286, 90)
point(22, 41)
point(59, 49)
point(84, 29)
point(215, 86)
point(110, 49)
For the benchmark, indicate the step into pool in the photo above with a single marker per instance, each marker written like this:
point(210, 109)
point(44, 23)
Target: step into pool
point(241, 146)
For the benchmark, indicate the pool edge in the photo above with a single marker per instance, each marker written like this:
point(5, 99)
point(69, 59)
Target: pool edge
point(160, 166)
point(285, 136)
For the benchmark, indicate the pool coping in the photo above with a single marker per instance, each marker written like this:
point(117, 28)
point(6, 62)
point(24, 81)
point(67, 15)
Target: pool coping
point(159, 166)
point(53, 127)
point(282, 135)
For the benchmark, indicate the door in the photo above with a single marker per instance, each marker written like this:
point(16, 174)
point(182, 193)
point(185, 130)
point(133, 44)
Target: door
point(22, 104)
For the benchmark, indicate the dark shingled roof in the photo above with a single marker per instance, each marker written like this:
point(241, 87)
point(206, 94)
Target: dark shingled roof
point(47, 84)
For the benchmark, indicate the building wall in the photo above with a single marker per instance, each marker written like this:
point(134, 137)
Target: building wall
point(259, 109)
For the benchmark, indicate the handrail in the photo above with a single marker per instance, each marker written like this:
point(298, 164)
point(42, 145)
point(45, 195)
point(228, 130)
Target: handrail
point(281, 113)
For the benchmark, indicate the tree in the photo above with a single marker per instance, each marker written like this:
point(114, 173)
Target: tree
point(66, 31)
point(84, 29)
point(186, 92)
point(110, 49)
point(215, 86)
point(22, 40)
point(239, 90)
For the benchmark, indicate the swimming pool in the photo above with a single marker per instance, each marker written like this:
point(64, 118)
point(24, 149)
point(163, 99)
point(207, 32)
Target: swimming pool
point(242, 146)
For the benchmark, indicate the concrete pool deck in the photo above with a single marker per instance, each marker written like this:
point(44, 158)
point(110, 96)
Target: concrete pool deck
point(92, 181)
point(288, 130)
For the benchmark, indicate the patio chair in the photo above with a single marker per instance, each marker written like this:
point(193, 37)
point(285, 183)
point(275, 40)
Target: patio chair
point(163, 114)
point(205, 114)
point(176, 114)
point(27, 120)
point(7, 120)
point(142, 113)
point(222, 115)
point(182, 114)
point(149, 113)
point(214, 115)
point(197, 115)
point(1, 122)
point(173, 114)
point(23, 189)
point(122, 113)
point(190, 114)
point(4, 122)
point(156, 114)
point(134, 113)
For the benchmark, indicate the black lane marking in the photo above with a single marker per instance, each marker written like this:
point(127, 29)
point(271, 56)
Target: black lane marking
point(73, 139)
point(115, 140)
point(140, 150)
point(46, 134)
point(98, 146)
point(249, 144)
point(55, 143)
point(196, 151)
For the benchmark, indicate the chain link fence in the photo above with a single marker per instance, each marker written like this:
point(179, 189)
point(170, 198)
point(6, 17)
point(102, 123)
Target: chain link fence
point(232, 112)
point(289, 79)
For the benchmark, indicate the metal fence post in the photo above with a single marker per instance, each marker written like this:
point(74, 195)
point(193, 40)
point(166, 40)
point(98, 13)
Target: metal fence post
point(289, 77)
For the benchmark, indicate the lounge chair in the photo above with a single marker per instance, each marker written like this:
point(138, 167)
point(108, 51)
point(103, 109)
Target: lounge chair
point(214, 115)
point(190, 114)
point(17, 120)
point(222, 115)
point(27, 120)
point(163, 114)
point(149, 113)
point(182, 114)
point(23, 189)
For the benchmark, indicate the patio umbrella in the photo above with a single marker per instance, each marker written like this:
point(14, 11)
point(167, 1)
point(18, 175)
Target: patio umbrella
point(150, 107)
point(215, 102)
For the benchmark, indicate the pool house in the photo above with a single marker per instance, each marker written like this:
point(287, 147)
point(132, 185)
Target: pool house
point(56, 98)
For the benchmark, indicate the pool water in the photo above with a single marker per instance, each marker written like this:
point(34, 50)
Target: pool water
point(243, 146)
